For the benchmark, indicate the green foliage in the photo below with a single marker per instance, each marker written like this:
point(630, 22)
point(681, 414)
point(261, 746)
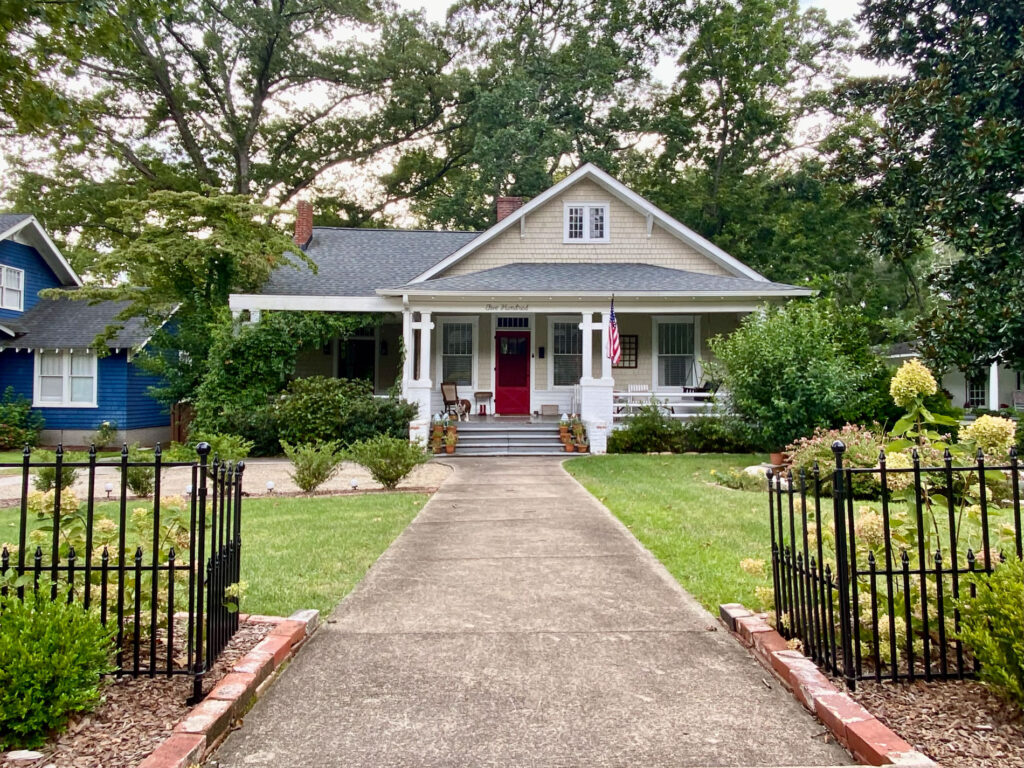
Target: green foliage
point(19, 424)
point(46, 477)
point(949, 165)
point(318, 408)
point(249, 363)
point(738, 480)
point(788, 370)
point(227, 447)
point(718, 433)
point(650, 430)
point(140, 479)
point(388, 459)
point(51, 658)
point(314, 463)
point(991, 626)
point(105, 433)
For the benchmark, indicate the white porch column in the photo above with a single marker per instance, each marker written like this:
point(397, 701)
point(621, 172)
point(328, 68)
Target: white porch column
point(417, 390)
point(993, 387)
point(595, 394)
point(606, 361)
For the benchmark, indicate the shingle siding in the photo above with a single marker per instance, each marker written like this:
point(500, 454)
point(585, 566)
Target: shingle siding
point(627, 232)
point(38, 276)
point(143, 410)
point(17, 369)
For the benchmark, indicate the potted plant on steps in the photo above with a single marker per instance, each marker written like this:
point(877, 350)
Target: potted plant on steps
point(450, 437)
point(563, 428)
point(579, 436)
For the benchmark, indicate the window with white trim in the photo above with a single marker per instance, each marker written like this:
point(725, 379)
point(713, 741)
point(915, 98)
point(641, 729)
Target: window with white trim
point(977, 393)
point(676, 353)
point(457, 352)
point(585, 223)
point(566, 353)
point(12, 289)
point(65, 380)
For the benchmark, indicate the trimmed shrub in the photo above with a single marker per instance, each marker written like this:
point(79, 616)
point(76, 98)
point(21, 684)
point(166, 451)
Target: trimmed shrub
point(46, 477)
point(227, 447)
point(388, 459)
point(19, 424)
point(51, 658)
point(991, 626)
point(721, 433)
point(649, 431)
point(315, 408)
point(315, 463)
point(140, 480)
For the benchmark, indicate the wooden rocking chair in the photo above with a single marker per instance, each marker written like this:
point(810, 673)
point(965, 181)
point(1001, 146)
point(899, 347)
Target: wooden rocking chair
point(453, 404)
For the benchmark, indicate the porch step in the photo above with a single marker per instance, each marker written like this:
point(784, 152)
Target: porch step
point(518, 439)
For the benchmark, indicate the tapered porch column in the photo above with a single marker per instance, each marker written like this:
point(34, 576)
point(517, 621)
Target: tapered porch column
point(595, 394)
point(993, 387)
point(606, 361)
point(416, 383)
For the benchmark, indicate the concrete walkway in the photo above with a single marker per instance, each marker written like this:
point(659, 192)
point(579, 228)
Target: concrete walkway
point(517, 623)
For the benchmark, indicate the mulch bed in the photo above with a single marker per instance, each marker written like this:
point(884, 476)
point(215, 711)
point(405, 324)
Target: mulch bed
point(960, 724)
point(135, 715)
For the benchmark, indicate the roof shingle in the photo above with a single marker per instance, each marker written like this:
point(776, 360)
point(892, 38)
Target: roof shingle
point(8, 220)
point(69, 324)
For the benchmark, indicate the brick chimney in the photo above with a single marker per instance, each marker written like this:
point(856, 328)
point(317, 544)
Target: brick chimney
point(508, 205)
point(303, 223)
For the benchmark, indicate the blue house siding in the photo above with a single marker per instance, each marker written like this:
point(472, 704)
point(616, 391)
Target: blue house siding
point(17, 369)
point(143, 410)
point(38, 276)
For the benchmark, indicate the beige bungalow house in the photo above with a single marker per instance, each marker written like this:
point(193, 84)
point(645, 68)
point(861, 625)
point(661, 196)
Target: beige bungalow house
point(517, 316)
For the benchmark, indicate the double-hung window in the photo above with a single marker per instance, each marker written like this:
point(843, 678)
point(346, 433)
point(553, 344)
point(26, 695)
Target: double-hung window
point(675, 345)
point(585, 223)
point(977, 393)
point(457, 352)
point(12, 289)
point(566, 352)
point(65, 380)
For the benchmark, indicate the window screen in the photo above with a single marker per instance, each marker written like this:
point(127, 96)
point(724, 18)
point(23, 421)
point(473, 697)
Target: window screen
point(567, 353)
point(675, 354)
point(457, 353)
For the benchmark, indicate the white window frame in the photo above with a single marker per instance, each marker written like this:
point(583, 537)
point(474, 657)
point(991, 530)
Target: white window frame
point(4, 270)
point(437, 339)
point(587, 238)
point(552, 319)
point(980, 383)
point(698, 368)
point(65, 401)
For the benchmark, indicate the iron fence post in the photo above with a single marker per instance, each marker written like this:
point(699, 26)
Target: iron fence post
point(199, 661)
point(842, 564)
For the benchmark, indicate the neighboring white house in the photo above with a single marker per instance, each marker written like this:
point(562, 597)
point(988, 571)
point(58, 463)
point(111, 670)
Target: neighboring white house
point(518, 314)
point(995, 390)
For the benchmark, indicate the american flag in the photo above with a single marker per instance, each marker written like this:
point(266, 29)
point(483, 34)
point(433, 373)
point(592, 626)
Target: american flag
point(614, 348)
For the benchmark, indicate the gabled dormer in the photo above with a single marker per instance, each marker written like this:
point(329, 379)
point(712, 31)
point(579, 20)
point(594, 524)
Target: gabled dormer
point(29, 263)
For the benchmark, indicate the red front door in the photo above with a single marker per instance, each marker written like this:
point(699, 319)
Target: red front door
point(512, 372)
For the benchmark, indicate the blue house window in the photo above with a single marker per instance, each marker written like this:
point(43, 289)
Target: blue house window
point(12, 289)
point(65, 380)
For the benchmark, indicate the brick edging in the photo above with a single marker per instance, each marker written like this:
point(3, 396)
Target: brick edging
point(205, 726)
point(866, 737)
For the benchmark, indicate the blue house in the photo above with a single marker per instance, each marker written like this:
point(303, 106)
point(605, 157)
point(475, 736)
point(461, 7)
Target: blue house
point(46, 347)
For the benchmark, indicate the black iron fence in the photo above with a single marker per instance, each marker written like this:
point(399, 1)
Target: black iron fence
point(160, 571)
point(869, 564)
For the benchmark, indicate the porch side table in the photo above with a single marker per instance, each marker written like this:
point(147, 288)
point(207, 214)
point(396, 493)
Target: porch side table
point(482, 399)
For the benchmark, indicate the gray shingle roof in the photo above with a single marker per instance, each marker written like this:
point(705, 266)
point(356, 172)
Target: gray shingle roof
point(8, 220)
point(595, 278)
point(356, 262)
point(69, 324)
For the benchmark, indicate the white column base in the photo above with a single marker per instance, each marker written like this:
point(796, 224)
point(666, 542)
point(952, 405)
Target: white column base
point(419, 392)
point(596, 411)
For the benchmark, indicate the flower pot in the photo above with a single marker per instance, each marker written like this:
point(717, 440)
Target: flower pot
point(451, 429)
point(449, 449)
point(569, 447)
point(777, 458)
point(563, 432)
point(583, 448)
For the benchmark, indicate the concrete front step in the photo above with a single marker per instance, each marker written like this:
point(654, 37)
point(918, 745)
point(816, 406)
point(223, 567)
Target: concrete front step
point(512, 439)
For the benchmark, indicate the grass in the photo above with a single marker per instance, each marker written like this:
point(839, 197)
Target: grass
point(699, 531)
point(300, 552)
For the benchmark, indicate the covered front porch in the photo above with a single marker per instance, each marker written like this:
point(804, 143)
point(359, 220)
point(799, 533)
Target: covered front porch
point(511, 361)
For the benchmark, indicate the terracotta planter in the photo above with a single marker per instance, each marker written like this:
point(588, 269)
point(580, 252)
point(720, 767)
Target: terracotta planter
point(583, 448)
point(563, 432)
point(449, 449)
point(569, 447)
point(451, 429)
point(777, 459)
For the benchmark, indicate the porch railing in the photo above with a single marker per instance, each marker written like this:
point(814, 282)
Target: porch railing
point(678, 405)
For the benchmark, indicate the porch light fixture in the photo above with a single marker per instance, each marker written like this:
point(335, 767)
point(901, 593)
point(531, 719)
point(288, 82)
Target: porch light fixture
point(109, 487)
point(270, 486)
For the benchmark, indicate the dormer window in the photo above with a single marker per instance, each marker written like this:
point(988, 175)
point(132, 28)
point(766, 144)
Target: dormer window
point(12, 289)
point(586, 223)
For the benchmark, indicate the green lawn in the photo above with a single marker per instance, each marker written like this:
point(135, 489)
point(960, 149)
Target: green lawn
point(300, 552)
point(699, 531)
